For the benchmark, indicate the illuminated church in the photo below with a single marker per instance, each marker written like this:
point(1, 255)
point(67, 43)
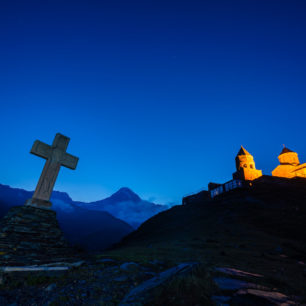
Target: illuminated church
point(246, 172)
point(289, 167)
point(247, 175)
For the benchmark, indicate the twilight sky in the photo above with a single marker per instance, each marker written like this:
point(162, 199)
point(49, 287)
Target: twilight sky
point(157, 96)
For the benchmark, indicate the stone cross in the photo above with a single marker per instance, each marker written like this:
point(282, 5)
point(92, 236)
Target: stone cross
point(56, 157)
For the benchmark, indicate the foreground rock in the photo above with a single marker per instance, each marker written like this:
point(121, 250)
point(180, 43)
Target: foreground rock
point(143, 293)
point(247, 291)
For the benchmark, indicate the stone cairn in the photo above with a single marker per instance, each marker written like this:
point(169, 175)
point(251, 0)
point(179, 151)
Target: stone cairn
point(30, 234)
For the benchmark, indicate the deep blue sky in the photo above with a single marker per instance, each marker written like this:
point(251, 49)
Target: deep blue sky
point(155, 95)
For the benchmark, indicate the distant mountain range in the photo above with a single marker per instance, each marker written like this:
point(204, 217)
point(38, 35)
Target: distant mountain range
point(93, 226)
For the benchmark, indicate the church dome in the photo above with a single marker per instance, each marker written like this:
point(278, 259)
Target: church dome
point(288, 156)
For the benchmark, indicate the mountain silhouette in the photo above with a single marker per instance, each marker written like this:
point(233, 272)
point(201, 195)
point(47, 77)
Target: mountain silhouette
point(127, 206)
point(124, 194)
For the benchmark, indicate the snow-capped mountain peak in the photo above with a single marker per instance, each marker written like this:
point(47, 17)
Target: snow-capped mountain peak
point(125, 194)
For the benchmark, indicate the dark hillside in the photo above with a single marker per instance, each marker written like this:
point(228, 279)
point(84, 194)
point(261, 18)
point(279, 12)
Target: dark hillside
point(272, 210)
point(260, 230)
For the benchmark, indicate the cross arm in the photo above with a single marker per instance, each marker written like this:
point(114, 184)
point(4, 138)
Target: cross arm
point(69, 161)
point(41, 149)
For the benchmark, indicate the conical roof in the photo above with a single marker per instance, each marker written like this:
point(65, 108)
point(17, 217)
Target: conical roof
point(243, 151)
point(285, 150)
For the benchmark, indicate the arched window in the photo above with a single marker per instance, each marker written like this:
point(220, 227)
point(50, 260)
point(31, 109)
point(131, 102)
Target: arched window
point(245, 166)
point(251, 166)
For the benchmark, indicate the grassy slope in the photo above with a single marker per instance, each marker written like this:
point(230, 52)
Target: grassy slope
point(260, 231)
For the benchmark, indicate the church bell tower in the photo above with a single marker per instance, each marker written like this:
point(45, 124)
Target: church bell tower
point(245, 166)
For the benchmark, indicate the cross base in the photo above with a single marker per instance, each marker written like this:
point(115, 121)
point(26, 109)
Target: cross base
point(32, 236)
point(43, 204)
